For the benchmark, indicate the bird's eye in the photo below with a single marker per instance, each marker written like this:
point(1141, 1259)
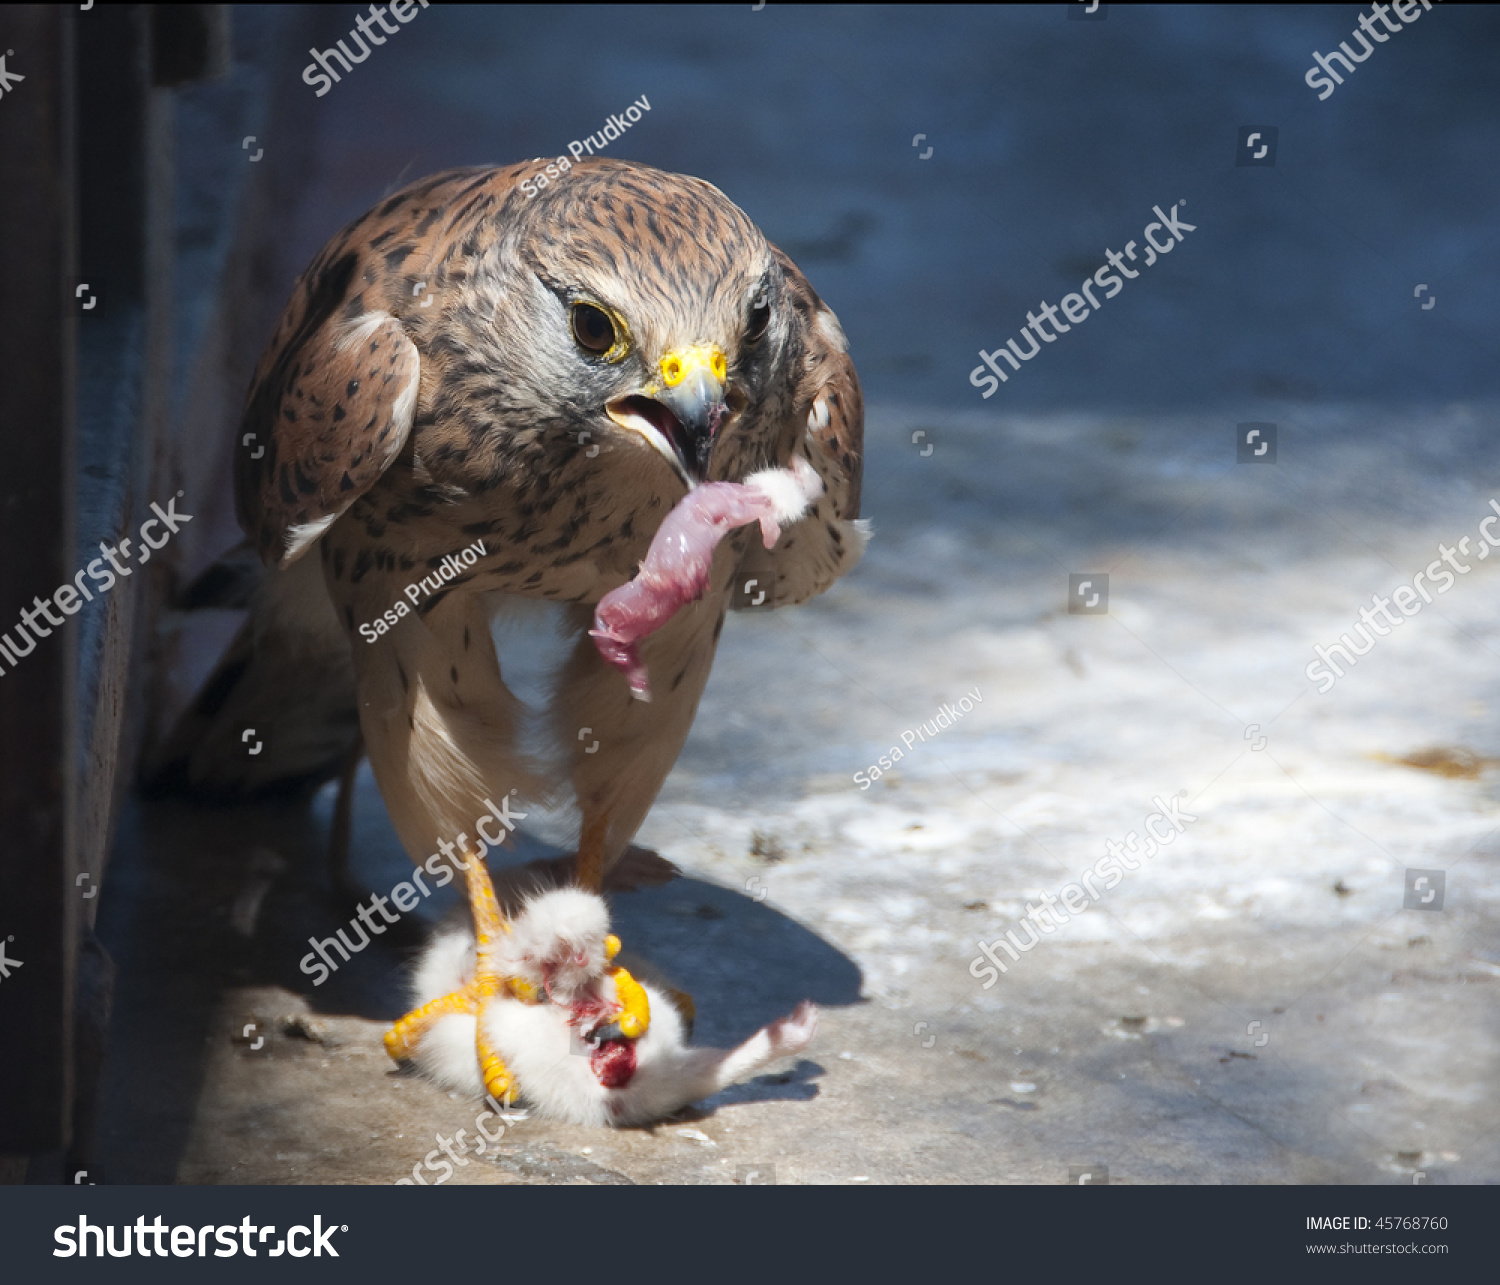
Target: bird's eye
point(760, 318)
point(592, 328)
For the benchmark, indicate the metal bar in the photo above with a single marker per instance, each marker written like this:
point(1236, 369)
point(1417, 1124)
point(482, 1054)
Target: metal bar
point(38, 908)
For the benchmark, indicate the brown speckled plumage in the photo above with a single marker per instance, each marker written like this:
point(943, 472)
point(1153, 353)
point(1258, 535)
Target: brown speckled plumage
point(423, 390)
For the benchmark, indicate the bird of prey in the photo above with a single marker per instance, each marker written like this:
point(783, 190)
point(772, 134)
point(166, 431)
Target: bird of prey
point(478, 394)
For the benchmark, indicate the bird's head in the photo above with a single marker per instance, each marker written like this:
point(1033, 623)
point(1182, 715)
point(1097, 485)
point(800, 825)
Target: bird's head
point(657, 317)
point(560, 944)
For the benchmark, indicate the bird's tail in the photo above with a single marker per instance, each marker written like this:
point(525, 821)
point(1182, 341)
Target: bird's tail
point(278, 713)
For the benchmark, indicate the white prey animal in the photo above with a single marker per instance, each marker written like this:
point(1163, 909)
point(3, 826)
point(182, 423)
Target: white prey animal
point(566, 1051)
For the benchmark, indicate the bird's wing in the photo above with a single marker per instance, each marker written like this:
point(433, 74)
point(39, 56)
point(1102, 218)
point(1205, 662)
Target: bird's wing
point(331, 406)
point(829, 430)
point(333, 399)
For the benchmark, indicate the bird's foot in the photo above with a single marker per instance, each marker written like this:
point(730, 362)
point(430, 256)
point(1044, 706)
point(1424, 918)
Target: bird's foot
point(635, 1014)
point(490, 981)
point(403, 1039)
point(637, 868)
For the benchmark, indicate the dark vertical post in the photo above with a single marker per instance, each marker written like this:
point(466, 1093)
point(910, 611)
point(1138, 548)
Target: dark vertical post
point(38, 913)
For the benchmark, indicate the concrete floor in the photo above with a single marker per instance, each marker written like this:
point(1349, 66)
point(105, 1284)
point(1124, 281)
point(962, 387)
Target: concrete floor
point(1252, 1005)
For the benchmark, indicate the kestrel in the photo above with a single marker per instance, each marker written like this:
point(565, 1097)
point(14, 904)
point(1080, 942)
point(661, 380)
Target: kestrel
point(476, 395)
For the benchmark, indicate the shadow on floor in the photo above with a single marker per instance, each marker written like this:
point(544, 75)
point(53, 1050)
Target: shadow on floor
point(203, 901)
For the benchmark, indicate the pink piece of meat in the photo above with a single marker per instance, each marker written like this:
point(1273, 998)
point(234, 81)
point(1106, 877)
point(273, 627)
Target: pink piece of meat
point(676, 568)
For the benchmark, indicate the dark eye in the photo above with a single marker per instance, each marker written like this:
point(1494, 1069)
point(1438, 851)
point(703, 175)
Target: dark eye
point(760, 318)
point(592, 328)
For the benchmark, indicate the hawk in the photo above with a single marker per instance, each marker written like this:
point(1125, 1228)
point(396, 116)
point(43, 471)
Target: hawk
point(477, 395)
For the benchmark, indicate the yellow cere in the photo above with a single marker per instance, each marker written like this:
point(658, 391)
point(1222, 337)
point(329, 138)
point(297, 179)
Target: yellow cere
point(675, 367)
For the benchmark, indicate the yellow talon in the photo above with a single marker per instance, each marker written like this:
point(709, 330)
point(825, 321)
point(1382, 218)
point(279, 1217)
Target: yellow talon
point(401, 1040)
point(498, 1081)
point(637, 1015)
point(489, 922)
point(497, 1078)
point(524, 990)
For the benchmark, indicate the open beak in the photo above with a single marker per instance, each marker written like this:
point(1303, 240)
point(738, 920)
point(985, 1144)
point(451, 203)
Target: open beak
point(680, 413)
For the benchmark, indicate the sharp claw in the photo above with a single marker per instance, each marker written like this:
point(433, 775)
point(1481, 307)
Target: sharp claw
point(402, 1039)
point(498, 1081)
point(636, 1018)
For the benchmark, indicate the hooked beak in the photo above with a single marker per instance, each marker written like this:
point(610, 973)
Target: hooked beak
point(680, 413)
